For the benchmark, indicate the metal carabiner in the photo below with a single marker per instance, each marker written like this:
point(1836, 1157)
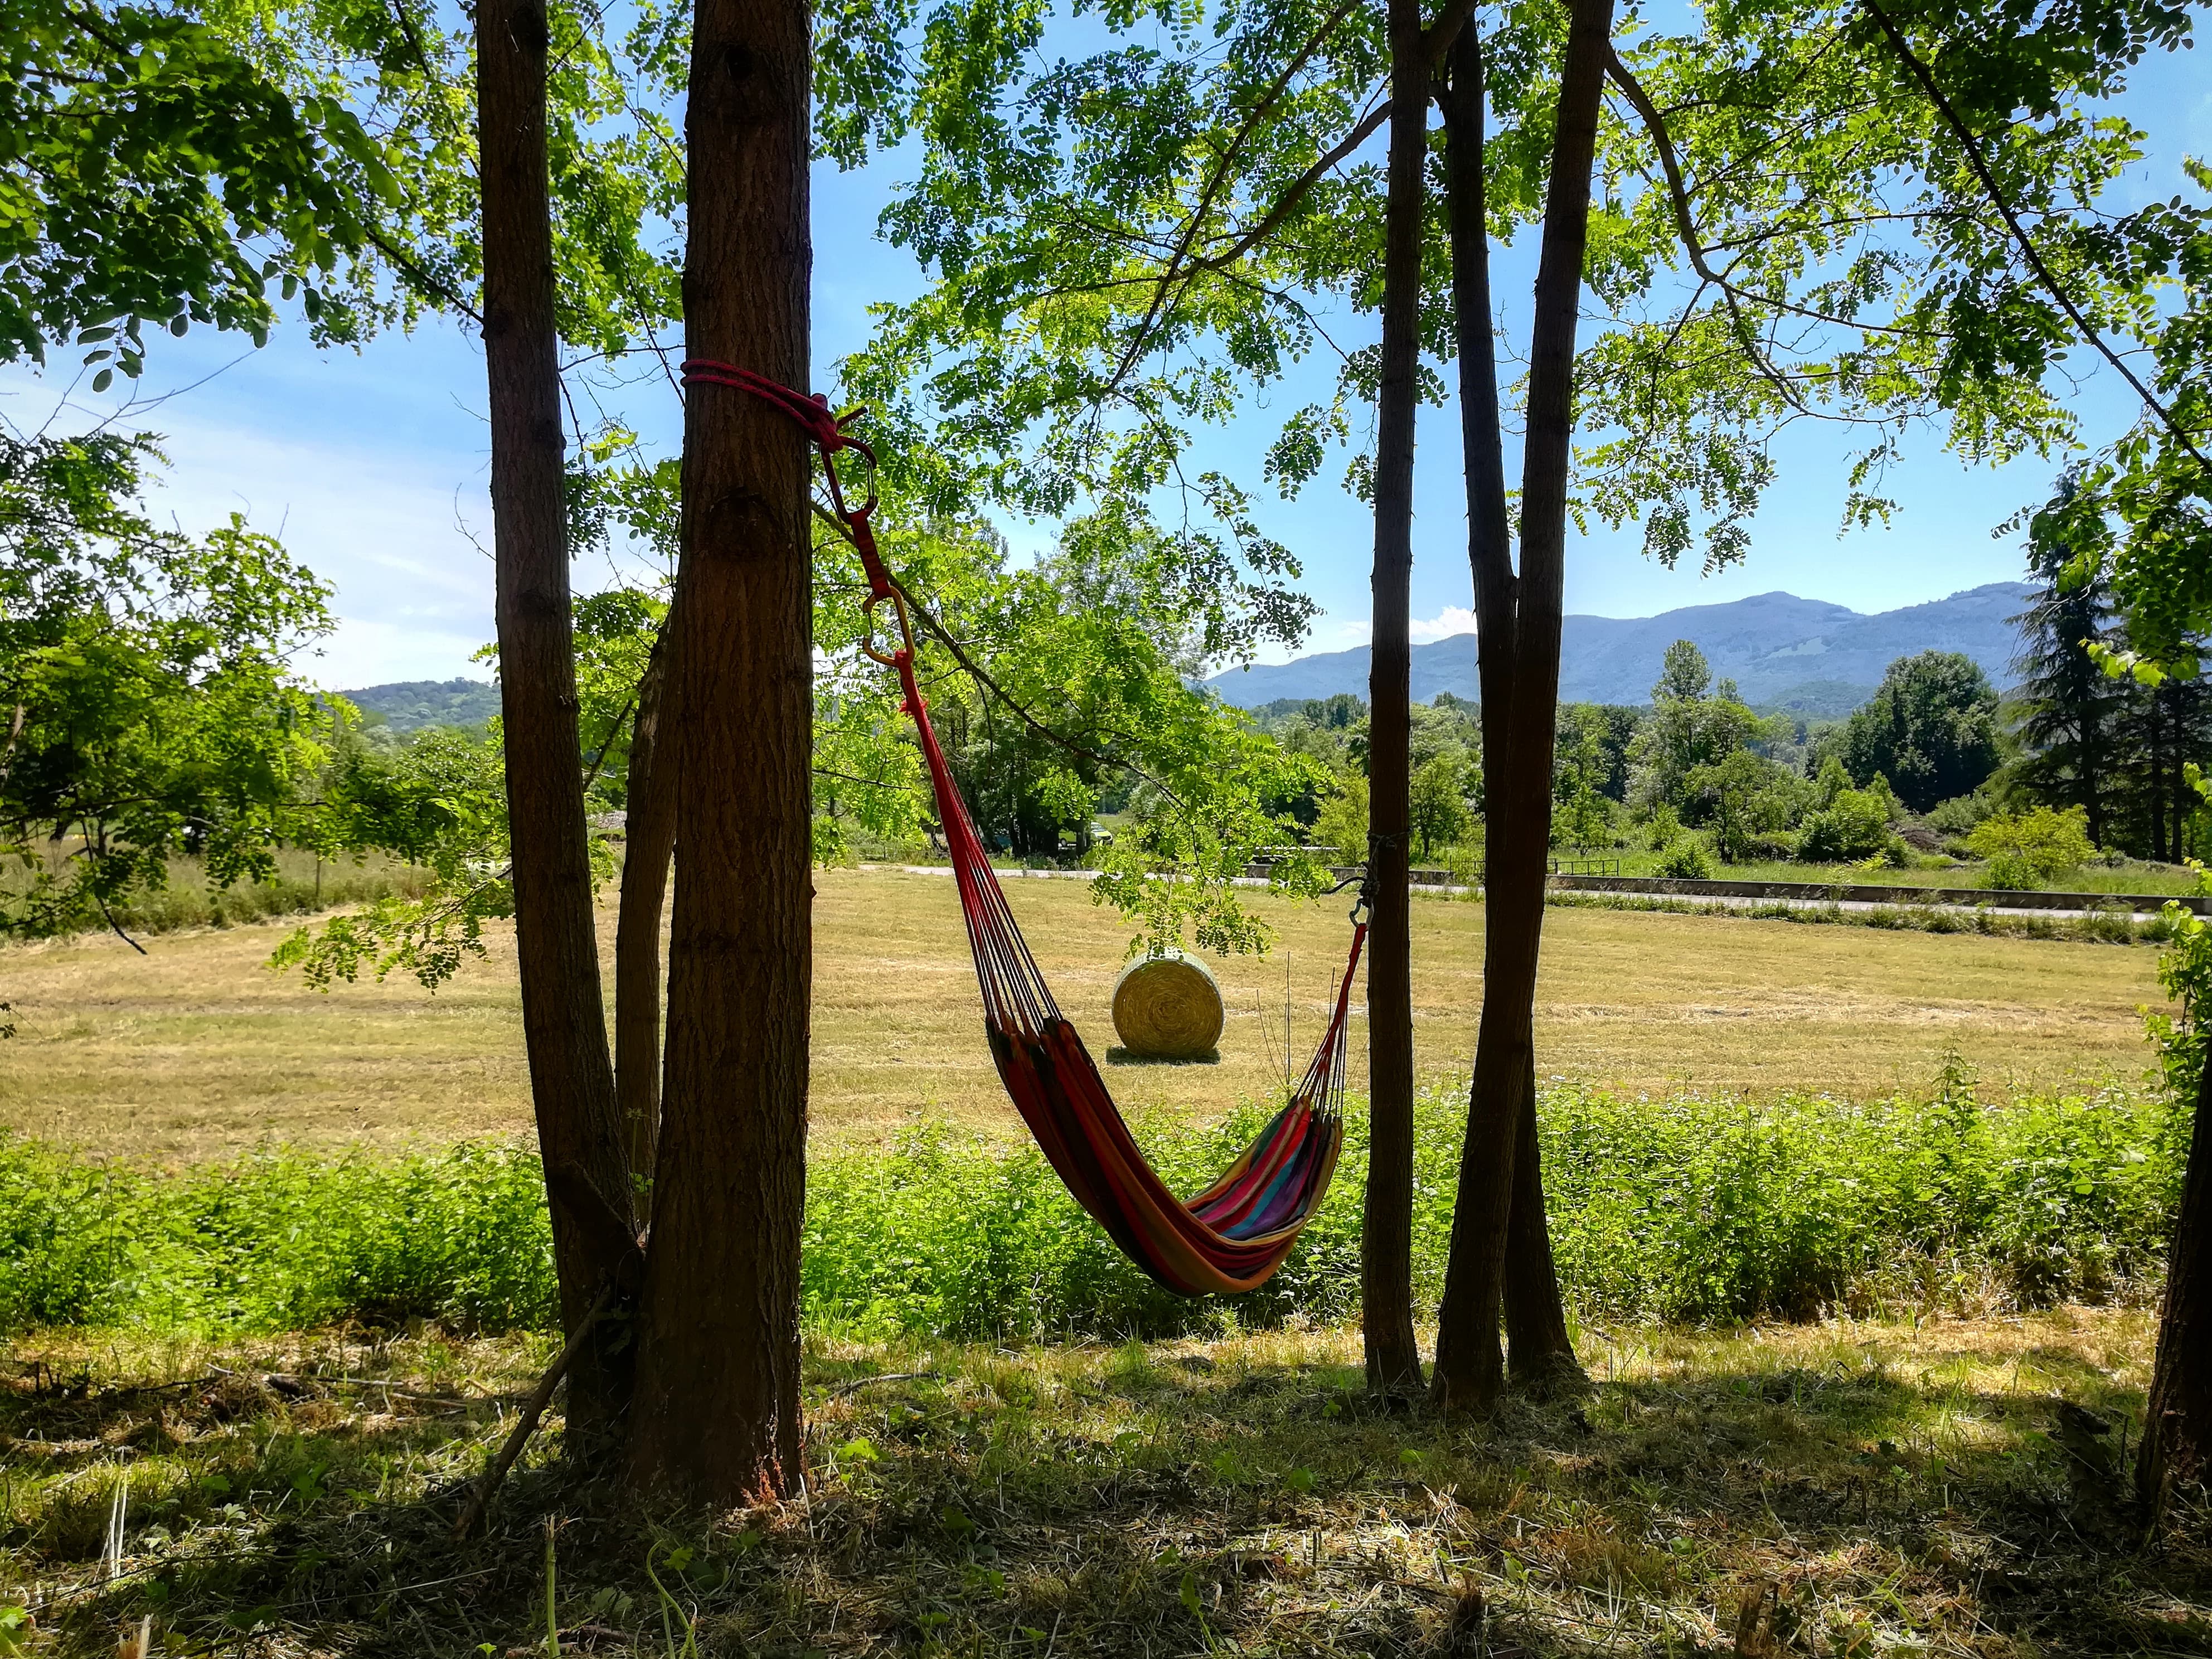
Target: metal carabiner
point(868, 628)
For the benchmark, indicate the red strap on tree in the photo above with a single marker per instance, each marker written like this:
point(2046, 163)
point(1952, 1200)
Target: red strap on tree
point(826, 432)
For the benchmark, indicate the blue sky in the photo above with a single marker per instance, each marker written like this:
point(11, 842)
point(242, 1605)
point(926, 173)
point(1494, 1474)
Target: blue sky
point(372, 465)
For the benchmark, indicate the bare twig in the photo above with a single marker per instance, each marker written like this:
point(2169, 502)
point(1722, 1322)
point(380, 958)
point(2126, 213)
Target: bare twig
point(533, 1409)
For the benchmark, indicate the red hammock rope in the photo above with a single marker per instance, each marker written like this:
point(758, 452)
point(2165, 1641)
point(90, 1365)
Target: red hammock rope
point(1234, 1235)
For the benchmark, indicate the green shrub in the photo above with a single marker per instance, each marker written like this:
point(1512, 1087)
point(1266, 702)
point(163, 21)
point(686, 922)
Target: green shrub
point(1689, 859)
point(1854, 826)
point(2026, 849)
point(1960, 815)
point(1342, 825)
point(275, 1242)
point(1686, 1208)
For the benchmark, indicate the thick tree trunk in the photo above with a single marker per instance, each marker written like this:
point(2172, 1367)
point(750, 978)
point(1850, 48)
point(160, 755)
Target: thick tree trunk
point(1394, 1360)
point(563, 1021)
point(717, 1411)
point(2177, 1441)
point(649, 842)
point(1469, 1367)
point(1535, 1318)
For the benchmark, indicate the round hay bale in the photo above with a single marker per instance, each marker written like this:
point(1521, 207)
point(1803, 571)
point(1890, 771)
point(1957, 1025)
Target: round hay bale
point(1168, 1008)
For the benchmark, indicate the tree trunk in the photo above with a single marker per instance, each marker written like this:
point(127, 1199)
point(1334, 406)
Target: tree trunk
point(1394, 1360)
point(1535, 1318)
point(1539, 1348)
point(649, 842)
point(563, 1021)
point(1469, 1367)
point(2177, 1441)
point(717, 1411)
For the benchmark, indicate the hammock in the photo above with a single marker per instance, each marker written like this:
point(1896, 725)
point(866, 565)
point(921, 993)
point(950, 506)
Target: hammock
point(1234, 1235)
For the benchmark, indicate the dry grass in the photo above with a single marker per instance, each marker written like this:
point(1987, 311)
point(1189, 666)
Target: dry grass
point(1862, 1489)
point(199, 1050)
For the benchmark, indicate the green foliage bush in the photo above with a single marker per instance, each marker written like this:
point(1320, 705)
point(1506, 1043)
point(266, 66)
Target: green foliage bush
point(2026, 849)
point(1683, 1209)
point(275, 1242)
point(1854, 825)
point(1689, 859)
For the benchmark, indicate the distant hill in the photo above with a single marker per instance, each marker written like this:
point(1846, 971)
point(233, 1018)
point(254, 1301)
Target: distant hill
point(410, 705)
point(1802, 655)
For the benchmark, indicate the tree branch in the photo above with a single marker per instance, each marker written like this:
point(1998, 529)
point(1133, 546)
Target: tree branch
point(1975, 159)
point(1213, 186)
point(1287, 203)
point(405, 264)
point(983, 678)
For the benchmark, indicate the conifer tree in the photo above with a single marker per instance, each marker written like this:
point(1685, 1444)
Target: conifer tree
point(2067, 704)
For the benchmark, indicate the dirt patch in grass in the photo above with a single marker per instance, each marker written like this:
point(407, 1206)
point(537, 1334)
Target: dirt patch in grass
point(199, 1050)
point(1823, 1490)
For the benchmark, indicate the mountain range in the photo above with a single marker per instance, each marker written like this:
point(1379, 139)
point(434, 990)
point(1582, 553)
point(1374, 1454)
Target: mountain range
point(1803, 656)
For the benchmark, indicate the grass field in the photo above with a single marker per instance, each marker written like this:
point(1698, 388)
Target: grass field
point(199, 1050)
point(1838, 1490)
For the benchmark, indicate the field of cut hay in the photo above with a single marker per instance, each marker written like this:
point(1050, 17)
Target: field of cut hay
point(199, 1050)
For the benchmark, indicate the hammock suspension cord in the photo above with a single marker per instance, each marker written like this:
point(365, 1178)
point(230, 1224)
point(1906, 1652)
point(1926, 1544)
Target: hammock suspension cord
point(1231, 1236)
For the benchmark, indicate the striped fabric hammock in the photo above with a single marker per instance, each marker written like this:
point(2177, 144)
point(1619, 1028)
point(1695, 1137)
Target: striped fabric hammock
point(1234, 1235)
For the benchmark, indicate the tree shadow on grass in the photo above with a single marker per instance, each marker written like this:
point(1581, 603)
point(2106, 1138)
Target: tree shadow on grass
point(1156, 1502)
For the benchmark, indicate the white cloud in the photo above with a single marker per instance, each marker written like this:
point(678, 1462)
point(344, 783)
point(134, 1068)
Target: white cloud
point(391, 532)
point(1453, 619)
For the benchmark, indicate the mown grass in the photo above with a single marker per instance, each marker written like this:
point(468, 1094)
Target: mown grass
point(1837, 1490)
point(199, 1052)
point(1685, 1208)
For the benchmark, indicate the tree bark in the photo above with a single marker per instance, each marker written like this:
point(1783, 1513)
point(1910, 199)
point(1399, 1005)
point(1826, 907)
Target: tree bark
point(1469, 1368)
point(1539, 1348)
point(717, 1413)
point(1394, 1359)
point(1535, 1318)
point(563, 1020)
point(649, 842)
point(2177, 1441)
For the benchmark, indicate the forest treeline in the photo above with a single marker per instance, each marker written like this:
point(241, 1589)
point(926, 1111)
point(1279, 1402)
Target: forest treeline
point(162, 719)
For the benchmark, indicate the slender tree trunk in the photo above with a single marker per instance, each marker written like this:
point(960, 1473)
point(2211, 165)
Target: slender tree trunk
point(717, 1413)
point(2180, 794)
point(649, 842)
point(2158, 747)
point(1469, 1367)
point(564, 1023)
point(1394, 1360)
point(1538, 1347)
point(2092, 771)
point(2176, 1442)
point(1535, 1318)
